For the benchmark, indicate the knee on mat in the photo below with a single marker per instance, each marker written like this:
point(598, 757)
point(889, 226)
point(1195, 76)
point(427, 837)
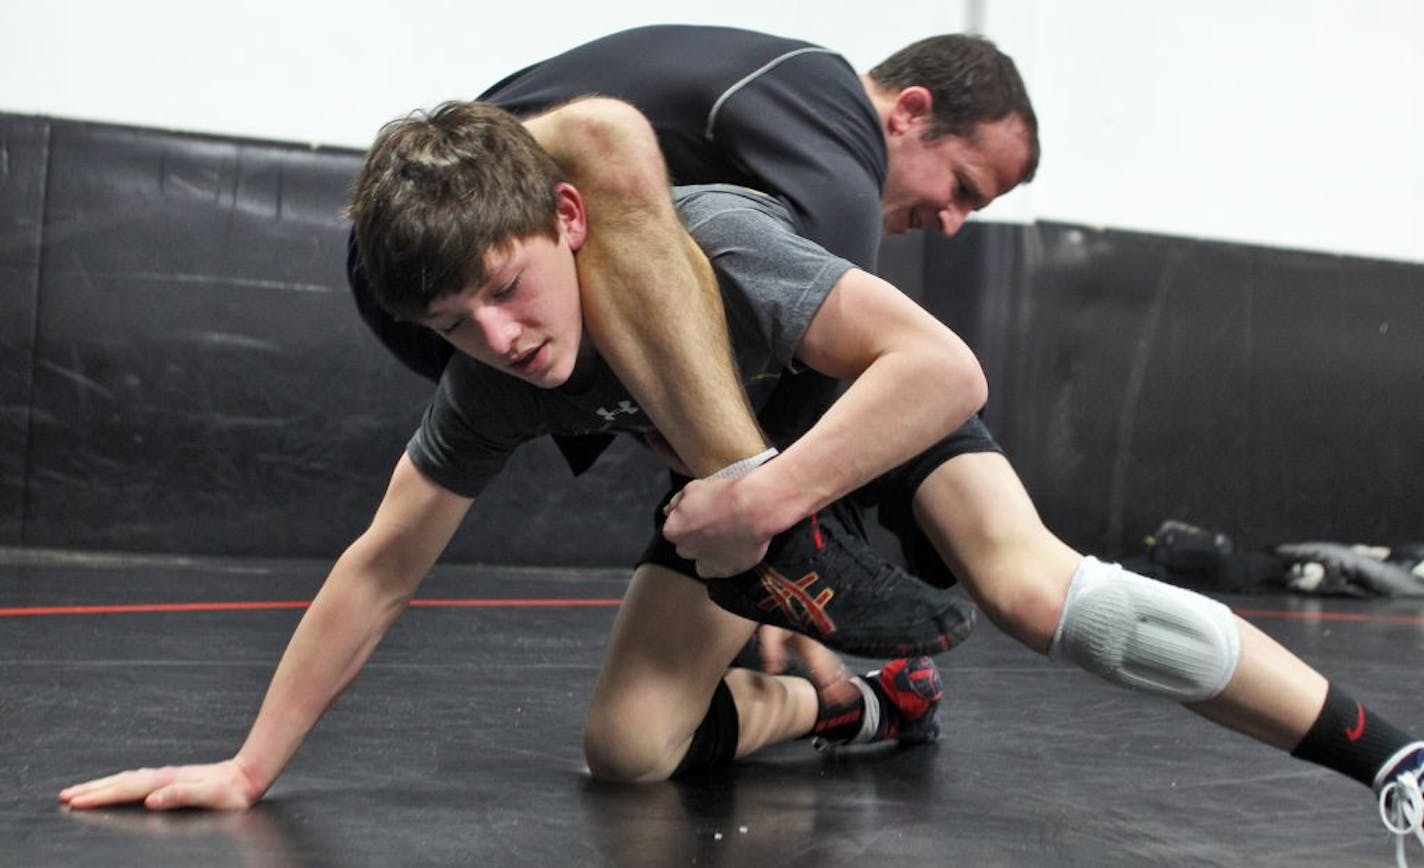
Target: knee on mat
point(619, 752)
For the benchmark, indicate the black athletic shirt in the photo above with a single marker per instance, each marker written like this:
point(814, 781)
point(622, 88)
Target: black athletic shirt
point(734, 106)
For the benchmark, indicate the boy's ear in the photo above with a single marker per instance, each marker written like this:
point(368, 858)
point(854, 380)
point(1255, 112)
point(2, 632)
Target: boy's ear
point(573, 218)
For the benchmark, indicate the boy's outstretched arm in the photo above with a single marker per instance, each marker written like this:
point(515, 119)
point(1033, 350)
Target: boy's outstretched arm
point(367, 589)
point(914, 382)
point(650, 301)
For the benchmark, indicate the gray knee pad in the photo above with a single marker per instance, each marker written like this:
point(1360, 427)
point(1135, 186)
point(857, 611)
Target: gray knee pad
point(1147, 635)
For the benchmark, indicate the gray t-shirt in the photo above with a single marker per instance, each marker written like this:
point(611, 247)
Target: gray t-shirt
point(772, 281)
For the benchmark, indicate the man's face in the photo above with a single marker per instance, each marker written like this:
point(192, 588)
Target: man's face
point(935, 184)
point(525, 320)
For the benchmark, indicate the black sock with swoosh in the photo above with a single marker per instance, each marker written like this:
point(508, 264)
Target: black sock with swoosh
point(1350, 739)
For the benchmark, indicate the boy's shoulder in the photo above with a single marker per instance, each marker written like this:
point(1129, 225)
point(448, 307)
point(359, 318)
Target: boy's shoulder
point(729, 203)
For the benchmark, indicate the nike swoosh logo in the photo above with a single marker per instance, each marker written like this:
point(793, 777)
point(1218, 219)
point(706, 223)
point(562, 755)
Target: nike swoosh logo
point(1353, 733)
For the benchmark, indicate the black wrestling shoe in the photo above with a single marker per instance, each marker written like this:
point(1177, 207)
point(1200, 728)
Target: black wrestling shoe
point(822, 579)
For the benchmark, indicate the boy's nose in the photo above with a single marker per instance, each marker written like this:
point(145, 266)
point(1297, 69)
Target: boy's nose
point(499, 332)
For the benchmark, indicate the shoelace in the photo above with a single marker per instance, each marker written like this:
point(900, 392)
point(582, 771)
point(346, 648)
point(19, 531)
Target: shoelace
point(1401, 807)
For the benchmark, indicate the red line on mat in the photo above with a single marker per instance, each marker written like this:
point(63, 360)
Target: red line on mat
point(1353, 617)
point(141, 608)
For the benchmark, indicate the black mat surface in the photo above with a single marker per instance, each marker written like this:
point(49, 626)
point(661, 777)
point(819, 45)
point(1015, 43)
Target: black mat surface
point(460, 744)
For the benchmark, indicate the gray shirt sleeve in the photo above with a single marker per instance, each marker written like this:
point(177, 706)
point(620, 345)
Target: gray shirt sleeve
point(476, 419)
point(772, 280)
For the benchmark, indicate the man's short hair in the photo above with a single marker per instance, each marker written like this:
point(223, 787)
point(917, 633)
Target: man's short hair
point(440, 190)
point(970, 82)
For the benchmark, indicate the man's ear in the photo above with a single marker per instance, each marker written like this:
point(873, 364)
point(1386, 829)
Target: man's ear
point(912, 106)
point(572, 217)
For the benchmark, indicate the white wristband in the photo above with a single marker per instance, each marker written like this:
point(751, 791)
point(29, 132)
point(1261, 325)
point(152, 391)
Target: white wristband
point(738, 469)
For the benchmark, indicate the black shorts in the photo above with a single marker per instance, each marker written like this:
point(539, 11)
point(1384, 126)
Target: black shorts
point(892, 494)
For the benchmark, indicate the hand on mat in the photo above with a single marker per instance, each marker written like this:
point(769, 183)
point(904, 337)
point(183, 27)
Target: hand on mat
point(222, 786)
point(711, 525)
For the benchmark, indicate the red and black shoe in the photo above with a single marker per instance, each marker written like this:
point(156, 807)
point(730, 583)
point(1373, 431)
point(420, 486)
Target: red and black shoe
point(821, 578)
point(898, 702)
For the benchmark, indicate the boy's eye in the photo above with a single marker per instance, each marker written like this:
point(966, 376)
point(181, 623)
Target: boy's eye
point(506, 291)
point(450, 329)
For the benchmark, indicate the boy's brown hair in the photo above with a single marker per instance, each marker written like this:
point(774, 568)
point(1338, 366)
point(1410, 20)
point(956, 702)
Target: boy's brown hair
point(440, 190)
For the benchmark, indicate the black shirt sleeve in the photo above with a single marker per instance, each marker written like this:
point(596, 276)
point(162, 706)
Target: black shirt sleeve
point(806, 131)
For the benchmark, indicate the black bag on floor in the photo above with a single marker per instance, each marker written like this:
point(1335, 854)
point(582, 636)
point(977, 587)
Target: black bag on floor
point(1207, 560)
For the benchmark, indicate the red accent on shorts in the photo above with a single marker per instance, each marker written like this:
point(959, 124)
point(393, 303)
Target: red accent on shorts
point(816, 532)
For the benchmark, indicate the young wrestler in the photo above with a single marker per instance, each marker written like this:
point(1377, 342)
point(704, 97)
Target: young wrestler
point(466, 224)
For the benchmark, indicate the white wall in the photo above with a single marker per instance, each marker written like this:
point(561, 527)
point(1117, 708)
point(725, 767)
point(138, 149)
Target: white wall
point(1285, 122)
point(1293, 123)
point(333, 72)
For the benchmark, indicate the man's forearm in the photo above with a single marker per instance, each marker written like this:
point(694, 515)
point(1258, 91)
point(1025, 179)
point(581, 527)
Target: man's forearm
point(914, 382)
point(653, 311)
point(650, 301)
point(903, 404)
point(899, 405)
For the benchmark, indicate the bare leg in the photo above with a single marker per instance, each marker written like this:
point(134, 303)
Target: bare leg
point(1274, 696)
point(670, 646)
point(982, 522)
point(650, 302)
point(653, 309)
point(979, 517)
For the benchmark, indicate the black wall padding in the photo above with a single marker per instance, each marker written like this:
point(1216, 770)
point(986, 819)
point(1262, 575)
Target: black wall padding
point(181, 370)
point(201, 382)
point(1275, 395)
point(24, 146)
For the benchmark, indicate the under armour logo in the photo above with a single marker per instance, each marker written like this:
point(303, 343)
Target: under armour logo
point(795, 601)
point(624, 408)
